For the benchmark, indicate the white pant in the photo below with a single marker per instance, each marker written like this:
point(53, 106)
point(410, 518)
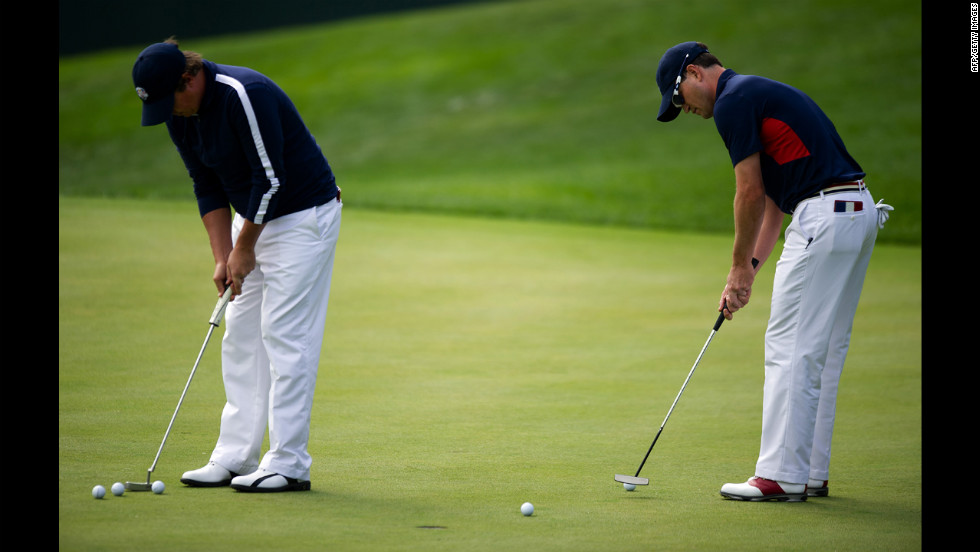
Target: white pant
point(271, 348)
point(818, 281)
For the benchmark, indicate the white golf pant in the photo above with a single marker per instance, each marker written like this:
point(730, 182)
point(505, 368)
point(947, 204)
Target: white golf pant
point(817, 284)
point(271, 347)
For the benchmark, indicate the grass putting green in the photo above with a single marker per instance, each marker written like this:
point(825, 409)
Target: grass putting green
point(471, 365)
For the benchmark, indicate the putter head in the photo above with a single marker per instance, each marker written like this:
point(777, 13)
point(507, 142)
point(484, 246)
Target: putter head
point(133, 486)
point(632, 480)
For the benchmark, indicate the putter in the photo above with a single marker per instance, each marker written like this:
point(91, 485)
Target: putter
point(636, 479)
point(215, 320)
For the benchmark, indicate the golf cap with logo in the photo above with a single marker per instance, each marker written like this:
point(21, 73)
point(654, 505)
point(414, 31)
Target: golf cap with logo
point(671, 67)
point(156, 74)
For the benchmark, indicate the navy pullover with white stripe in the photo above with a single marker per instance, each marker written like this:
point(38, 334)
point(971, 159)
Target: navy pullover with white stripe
point(248, 147)
point(801, 152)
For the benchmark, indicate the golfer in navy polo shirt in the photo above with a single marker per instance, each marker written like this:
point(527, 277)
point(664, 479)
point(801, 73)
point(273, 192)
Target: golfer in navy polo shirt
point(788, 160)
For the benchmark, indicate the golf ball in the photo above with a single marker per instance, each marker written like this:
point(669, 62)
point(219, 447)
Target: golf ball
point(118, 488)
point(98, 491)
point(158, 487)
point(527, 508)
point(629, 486)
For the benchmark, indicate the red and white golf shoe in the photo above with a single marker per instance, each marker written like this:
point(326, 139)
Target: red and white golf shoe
point(757, 489)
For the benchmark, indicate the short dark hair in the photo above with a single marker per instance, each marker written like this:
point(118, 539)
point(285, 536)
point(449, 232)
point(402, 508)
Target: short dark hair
point(706, 59)
point(193, 60)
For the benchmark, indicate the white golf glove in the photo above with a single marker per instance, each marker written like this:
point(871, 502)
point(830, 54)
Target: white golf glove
point(883, 210)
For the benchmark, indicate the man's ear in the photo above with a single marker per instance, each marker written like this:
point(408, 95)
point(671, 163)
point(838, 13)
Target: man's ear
point(187, 80)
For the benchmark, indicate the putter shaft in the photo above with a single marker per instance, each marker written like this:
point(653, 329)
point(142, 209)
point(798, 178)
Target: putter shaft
point(721, 318)
point(213, 322)
point(714, 330)
point(180, 402)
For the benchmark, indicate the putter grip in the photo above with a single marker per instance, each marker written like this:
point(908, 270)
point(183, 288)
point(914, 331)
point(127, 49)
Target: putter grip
point(219, 309)
point(721, 315)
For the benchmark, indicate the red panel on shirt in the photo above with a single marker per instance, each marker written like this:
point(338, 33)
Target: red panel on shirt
point(780, 142)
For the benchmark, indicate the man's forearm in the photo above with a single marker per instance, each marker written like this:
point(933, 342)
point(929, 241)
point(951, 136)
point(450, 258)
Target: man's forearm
point(248, 236)
point(217, 223)
point(750, 210)
point(241, 261)
point(772, 227)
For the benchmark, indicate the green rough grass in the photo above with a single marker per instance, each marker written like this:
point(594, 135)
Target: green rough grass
point(541, 109)
point(471, 365)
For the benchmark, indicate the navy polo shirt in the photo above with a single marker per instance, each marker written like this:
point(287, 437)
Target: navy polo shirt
point(800, 150)
point(248, 147)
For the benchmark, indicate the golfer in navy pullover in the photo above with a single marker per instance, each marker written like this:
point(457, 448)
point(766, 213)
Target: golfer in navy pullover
point(247, 149)
point(282, 171)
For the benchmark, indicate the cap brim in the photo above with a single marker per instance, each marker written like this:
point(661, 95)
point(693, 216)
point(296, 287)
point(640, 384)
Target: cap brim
point(668, 111)
point(158, 112)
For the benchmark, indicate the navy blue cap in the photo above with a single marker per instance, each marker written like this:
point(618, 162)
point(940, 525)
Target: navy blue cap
point(671, 67)
point(156, 74)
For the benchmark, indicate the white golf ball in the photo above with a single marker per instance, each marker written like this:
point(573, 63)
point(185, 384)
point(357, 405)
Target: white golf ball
point(527, 508)
point(118, 488)
point(629, 486)
point(158, 487)
point(98, 491)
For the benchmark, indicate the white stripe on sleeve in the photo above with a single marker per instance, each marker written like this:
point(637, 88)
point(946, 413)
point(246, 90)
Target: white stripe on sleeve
point(259, 145)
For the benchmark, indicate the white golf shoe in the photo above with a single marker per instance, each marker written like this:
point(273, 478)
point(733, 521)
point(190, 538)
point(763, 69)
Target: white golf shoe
point(265, 481)
point(211, 475)
point(757, 489)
